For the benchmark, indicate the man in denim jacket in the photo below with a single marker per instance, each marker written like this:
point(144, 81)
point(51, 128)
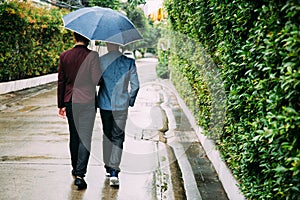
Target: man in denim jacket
point(114, 97)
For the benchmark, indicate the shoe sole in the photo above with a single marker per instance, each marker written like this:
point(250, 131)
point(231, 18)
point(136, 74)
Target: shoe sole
point(114, 181)
point(81, 187)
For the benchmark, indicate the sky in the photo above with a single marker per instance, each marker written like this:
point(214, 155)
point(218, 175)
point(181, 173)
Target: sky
point(152, 5)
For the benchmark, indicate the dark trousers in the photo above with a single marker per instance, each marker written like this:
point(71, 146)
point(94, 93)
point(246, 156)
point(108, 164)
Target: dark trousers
point(81, 118)
point(113, 123)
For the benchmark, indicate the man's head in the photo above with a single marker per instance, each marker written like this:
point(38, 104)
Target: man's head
point(112, 47)
point(80, 38)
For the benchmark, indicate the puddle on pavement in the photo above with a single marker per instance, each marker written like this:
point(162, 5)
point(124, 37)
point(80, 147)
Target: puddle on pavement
point(22, 158)
point(15, 107)
point(172, 177)
point(206, 177)
point(182, 122)
point(28, 108)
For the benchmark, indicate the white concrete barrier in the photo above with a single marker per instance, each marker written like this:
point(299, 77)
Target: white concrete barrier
point(11, 86)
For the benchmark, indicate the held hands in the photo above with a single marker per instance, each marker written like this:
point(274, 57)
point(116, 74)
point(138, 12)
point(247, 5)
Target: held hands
point(62, 113)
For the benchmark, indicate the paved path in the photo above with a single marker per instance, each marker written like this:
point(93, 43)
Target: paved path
point(162, 157)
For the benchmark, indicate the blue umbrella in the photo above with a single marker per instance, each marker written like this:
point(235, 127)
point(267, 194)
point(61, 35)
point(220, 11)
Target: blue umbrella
point(104, 24)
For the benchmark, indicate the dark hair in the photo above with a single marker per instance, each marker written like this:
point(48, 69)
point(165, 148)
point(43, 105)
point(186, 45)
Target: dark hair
point(80, 38)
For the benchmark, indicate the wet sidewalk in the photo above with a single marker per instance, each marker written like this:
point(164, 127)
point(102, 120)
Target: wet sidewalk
point(162, 156)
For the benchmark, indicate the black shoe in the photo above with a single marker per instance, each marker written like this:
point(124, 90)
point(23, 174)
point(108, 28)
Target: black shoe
point(73, 172)
point(107, 169)
point(80, 183)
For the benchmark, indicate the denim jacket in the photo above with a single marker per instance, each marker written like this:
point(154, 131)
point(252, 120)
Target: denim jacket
point(118, 73)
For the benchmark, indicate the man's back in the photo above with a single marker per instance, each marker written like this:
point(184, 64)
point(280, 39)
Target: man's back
point(78, 73)
point(118, 72)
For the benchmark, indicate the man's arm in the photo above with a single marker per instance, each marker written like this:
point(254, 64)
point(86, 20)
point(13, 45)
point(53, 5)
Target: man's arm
point(134, 84)
point(95, 73)
point(61, 85)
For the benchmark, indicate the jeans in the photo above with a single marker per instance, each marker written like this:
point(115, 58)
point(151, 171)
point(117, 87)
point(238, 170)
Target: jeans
point(113, 123)
point(81, 118)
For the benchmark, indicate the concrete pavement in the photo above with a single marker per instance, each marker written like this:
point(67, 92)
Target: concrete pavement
point(162, 158)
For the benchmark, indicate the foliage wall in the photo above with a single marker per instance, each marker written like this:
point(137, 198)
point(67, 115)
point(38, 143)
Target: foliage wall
point(163, 59)
point(256, 48)
point(31, 40)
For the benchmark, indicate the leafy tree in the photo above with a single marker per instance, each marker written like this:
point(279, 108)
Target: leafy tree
point(113, 4)
point(136, 2)
point(144, 25)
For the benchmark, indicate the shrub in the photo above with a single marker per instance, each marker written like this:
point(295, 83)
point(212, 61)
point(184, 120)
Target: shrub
point(255, 46)
point(162, 68)
point(31, 40)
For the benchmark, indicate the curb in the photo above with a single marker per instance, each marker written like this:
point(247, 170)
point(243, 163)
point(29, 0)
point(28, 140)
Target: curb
point(226, 177)
point(11, 86)
point(189, 181)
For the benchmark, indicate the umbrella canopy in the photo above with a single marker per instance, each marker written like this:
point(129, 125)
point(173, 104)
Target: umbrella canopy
point(105, 24)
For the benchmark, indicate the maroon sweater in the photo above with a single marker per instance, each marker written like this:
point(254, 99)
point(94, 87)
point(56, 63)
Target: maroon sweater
point(78, 75)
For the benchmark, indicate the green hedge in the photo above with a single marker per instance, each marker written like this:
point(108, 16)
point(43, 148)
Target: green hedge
point(163, 52)
point(31, 40)
point(255, 46)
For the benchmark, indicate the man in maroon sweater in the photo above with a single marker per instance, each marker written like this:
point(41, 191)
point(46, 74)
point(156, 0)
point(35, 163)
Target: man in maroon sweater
point(78, 75)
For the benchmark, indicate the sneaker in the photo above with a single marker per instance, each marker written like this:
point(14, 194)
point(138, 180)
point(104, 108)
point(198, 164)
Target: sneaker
point(114, 179)
point(107, 174)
